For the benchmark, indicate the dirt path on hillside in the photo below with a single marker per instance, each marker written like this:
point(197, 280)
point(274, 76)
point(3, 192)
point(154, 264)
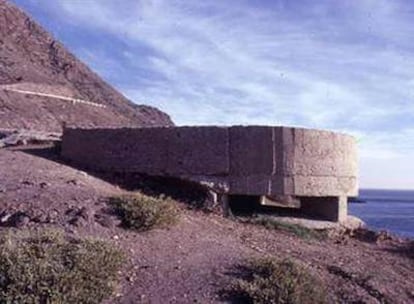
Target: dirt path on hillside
point(193, 260)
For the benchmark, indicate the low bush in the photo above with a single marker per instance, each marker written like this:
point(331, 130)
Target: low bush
point(45, 267)
point(298, 230)
point(141, 212)
point(269, 281)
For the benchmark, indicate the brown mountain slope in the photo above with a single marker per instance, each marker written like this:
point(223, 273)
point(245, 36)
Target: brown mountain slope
point(38, 78)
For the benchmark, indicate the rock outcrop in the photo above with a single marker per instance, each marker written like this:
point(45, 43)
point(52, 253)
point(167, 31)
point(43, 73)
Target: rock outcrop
point(31, 60)
point(24, 137)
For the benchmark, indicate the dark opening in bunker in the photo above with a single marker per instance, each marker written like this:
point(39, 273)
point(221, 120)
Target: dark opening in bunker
point(244, 204)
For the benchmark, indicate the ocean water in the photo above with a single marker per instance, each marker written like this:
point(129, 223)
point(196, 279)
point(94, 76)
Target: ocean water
point(391, 210)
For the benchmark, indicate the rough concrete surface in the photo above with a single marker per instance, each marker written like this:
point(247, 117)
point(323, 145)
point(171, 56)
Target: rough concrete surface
point(252, 160)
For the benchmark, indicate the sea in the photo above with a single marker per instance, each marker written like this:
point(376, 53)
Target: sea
point(391, 210)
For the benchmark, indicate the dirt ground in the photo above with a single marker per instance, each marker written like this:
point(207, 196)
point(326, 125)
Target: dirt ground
point(194, 260)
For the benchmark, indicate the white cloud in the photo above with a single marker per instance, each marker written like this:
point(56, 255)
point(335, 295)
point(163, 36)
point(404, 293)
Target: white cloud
point(346, 66)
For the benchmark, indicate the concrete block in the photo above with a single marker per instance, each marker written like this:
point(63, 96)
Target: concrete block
point(223, 200)
point(82, 147)
point(251, 150)
point(315, 186)
point(348, 185)
point(198, 150)
point(323, 153)
point(288, 201)
point(324, 185)
point(277, 185)
point(281, 184)
point(288, 151)
point(258, 184)
point(145, 151)
point(329, 208)
point(278, 151)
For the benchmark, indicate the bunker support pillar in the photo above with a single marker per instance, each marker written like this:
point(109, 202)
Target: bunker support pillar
point(332, 208)
point(223, 200)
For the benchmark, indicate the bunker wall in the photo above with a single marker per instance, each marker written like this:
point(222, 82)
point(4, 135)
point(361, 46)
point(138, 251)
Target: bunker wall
point(253, 160)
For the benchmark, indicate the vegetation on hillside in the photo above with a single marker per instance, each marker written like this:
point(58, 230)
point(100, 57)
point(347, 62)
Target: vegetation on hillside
point(273, 223)
point(141, 212)
point(47, 267)
point(270, 281)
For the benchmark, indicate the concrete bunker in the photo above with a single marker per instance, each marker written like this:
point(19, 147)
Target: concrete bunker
point(311, 170)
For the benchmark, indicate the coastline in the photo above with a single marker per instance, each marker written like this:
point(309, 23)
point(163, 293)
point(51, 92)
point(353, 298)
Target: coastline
point(386, 210)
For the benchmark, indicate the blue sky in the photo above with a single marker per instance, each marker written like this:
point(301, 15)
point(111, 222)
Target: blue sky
point(341, 65)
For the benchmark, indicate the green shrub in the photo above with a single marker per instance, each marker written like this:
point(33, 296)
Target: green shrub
point(269, 281)
point(47, 268)
point(141, 212)
point(298, 230)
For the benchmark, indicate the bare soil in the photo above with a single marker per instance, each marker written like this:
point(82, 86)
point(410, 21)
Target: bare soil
point(194, 260)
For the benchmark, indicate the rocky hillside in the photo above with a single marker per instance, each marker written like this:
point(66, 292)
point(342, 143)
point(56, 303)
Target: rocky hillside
point(42, 85)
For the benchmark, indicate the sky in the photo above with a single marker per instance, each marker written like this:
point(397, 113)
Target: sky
point(346, 65)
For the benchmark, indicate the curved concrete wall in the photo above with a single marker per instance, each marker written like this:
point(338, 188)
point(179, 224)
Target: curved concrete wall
point(251, 160)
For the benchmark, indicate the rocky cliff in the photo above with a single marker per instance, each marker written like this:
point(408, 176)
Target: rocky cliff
point(42, 85)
